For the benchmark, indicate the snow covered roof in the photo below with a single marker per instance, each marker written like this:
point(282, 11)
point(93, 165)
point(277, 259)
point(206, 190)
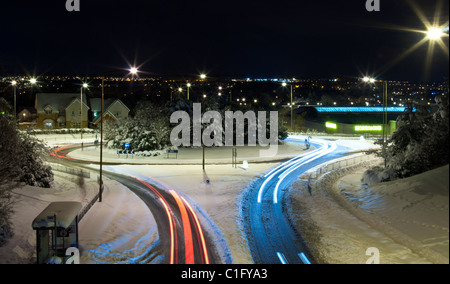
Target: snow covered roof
point(65, 213)
point(57, 101)
point(96, 104)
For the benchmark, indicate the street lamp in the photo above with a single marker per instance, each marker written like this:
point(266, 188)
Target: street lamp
point(85, 86)
point(435, 33)
point(385, 117)
point(292, 105)
point(369, 80)
point(14, 84)
point(188, 86)
point(132, 71)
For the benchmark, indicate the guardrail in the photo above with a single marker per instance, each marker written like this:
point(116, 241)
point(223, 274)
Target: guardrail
point(325, 168)
point(71, 171)
point(86, 209)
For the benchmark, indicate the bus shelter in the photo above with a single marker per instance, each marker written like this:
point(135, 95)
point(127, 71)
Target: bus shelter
point(56, 230)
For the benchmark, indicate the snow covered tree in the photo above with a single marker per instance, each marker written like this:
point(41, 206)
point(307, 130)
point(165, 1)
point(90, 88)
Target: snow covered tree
point(10, 172)
point(148, 130)
point(421, 141)
point(21, 158)
point(34, 172)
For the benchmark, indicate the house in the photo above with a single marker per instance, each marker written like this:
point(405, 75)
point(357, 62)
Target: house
point(114, 110)
point(26, 115)
point(61, 110)
point(27, 118)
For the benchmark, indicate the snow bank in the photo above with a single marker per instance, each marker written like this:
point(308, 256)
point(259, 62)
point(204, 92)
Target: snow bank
point(29, 203)
point(407, 220)
point(377, 175)
point(121, 229)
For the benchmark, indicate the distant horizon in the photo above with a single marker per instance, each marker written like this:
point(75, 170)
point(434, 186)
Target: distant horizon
point(193, 77)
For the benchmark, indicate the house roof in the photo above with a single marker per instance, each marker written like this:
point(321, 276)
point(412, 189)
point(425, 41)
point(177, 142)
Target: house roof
point(96, 104)
point(99, 118)
point(57, 101)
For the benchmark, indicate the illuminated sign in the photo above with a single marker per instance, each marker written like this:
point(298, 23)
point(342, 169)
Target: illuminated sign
point(362, 109)
point(331, 125)
point(368, 128)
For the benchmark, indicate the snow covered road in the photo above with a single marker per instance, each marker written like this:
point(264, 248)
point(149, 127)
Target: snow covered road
point(271, 237)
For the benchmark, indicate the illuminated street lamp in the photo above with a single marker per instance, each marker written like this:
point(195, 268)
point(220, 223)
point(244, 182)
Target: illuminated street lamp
point(435, 33)
point(85, 86)
point(14, 84)
point(132, 71)
point(369, 80)
point(188, 86)
point(33, 81)
point(291, 105)
point(385, 116)
point(203, 76)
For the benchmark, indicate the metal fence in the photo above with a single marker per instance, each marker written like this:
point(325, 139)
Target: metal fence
point(71, 171)
point(326, 168)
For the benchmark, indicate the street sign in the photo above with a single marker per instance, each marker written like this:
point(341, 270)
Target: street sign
point(172, 152)
point(127, 145)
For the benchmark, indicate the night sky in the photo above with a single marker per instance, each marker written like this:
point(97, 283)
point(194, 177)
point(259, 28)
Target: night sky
point(257, 39)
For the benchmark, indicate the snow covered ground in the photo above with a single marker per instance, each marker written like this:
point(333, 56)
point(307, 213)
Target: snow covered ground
point(219, 198)
point(116, 230)
point(406, 220)
point(122, 229)
point(222, 155)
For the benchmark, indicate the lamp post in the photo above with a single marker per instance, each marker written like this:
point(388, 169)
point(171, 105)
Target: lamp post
point(14, 84)
point(203, 77)
point(188, 86)
point(292, 105)
point(85, 86)
point(385, 116)
point(133, 71)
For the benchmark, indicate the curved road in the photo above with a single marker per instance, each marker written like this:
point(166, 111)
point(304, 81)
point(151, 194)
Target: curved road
point(181, 234)
point(271, 236)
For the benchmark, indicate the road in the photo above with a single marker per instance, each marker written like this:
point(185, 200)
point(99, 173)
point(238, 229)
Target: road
point(181, 234)
point(272, 238)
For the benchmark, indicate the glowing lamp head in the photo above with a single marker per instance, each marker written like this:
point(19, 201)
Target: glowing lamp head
point(369, 80)
point(85, 85)
point(33, 81)
point(14, 83)
point(202, 76)
point(435, 33)
point(188, 85)
point(134, 71)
